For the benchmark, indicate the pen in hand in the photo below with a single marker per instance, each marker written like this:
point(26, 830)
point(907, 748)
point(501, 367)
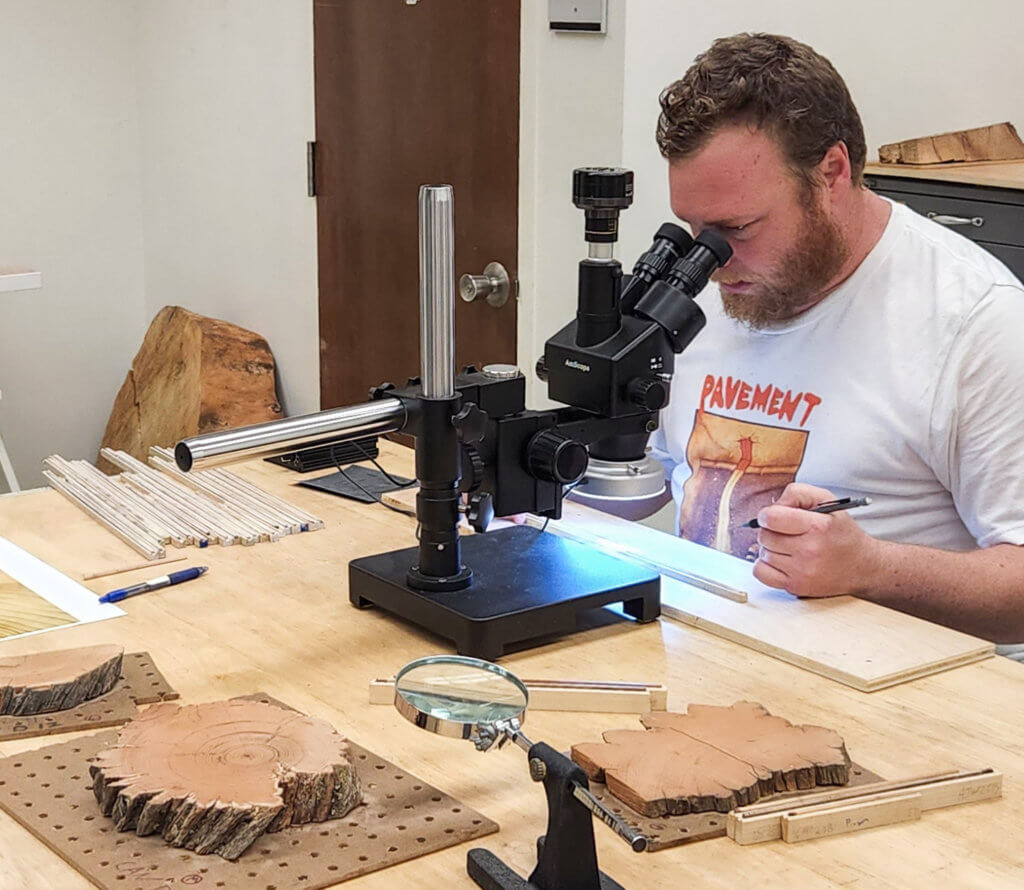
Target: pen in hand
point(827, 507)
point(155, 584)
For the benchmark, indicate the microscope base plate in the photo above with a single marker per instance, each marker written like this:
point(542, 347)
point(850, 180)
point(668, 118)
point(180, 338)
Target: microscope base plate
point(526, 584)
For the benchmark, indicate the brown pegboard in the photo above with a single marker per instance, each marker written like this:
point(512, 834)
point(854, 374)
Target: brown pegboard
point(49, 792)
point(663, 832)
point(140, 683)
point(143, 680)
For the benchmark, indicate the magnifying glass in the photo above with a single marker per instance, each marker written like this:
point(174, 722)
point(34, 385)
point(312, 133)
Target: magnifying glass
point(469, 698)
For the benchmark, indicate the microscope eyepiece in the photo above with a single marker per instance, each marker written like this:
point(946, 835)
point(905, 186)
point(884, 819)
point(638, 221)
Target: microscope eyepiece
point(671, 301)
point(691, 272)
point(676, 235)
point(670, 243)
point(716, 244)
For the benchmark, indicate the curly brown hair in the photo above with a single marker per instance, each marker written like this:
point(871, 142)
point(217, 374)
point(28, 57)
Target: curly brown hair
point(770, 82)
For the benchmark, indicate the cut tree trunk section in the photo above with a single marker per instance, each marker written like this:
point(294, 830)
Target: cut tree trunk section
point(54, 681)
point(997, 142)
point(213, 777)
point(712, 758)
point(191, 375)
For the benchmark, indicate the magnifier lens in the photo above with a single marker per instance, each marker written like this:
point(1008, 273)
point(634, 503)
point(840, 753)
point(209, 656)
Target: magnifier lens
point(462, 690)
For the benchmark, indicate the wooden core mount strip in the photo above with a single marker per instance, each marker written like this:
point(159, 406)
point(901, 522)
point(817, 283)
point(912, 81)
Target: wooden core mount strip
point(766, 822)
point(569, 695)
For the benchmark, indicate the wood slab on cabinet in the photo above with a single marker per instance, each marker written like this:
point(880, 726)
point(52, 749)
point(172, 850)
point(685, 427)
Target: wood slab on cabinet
point(277, 618)
point(995, 142)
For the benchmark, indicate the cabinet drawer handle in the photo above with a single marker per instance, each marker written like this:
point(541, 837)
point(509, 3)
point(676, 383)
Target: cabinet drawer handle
point(949, 220)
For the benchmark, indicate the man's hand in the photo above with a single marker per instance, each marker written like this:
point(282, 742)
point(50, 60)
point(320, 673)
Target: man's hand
point(811, 554)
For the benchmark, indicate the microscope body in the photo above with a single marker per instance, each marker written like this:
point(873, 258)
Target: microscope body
point(476, 440)
point(611, 366)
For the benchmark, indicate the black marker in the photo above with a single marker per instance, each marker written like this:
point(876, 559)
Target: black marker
point(827, 507)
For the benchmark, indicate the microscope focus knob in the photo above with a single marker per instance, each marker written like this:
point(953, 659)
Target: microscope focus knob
point(649, 393)
point(554, 457)
point(481, 511)
point(472, 469)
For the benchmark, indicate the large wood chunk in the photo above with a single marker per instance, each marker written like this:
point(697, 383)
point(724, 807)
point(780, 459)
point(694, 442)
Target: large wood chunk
point(214, 777)
point(712, 758)
point(997, 142)
point(192, 375)
point(54, 681)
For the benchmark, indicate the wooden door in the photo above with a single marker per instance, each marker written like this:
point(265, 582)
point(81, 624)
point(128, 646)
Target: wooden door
point(410, 94)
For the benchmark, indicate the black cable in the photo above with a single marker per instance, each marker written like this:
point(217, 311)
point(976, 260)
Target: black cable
point(373, 460)
point(581, 481)
point(373, 497)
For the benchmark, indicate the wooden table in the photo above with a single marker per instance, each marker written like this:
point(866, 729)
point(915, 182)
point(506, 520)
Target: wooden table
point(276, 618)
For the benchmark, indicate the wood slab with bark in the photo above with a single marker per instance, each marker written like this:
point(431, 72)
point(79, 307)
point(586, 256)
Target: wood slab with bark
point(191, 375)
point(44, 682)
point(213, 777)
point(712, 758)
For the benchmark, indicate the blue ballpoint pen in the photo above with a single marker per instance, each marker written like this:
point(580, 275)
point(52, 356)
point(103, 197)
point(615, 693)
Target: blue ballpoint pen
point(163, 581)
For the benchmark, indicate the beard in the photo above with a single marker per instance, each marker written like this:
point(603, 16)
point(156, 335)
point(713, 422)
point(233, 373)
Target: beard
point(799, 279)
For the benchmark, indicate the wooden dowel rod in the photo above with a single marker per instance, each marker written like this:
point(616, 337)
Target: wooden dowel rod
point(152, 564)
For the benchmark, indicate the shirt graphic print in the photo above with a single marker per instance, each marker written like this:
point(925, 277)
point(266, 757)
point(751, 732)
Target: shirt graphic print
point(739, 466)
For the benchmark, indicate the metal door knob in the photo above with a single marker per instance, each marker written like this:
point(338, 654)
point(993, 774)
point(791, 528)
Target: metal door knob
point(493, 285)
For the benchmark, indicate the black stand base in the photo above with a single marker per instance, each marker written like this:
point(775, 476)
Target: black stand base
point(566, 855)
point(489, 872)
point(526, 584)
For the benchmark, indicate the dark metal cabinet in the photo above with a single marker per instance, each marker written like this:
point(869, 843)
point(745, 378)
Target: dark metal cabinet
point(993, 217)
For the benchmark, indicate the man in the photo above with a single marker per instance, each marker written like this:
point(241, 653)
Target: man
point(854, 348)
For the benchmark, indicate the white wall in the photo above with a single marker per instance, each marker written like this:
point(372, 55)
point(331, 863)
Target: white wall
point(152, 152)
point(911, 71)
point(226, 109)
point(570, 116)
point(70, 207)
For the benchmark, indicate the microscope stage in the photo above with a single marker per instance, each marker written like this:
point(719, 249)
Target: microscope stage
point(526, 584)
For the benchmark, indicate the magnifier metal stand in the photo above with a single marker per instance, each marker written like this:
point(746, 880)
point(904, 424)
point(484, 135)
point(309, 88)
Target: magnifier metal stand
point(456, 696)
point(566, 854)
point(442, 694)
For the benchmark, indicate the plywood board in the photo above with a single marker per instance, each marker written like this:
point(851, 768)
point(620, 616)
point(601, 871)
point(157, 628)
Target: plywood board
point(403, 818)
point(846, 639)
point(855, 642)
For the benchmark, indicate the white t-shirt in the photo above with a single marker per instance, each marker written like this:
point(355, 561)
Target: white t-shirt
point(905, 385)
